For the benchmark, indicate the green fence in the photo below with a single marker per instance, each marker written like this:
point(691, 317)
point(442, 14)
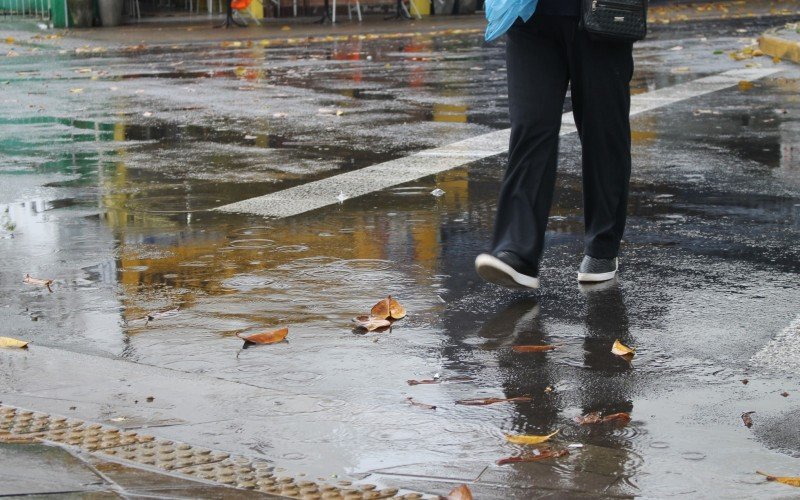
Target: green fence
point(40, 9)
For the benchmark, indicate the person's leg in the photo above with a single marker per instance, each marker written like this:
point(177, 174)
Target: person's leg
point(537, 84)
point(601, 74)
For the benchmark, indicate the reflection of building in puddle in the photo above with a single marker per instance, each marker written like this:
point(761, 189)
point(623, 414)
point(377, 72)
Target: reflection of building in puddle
point(198, 258)
point(789, 125)
point(454, 113)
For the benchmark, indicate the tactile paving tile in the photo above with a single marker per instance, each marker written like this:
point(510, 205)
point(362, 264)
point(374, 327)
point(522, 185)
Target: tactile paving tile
point(178, 458)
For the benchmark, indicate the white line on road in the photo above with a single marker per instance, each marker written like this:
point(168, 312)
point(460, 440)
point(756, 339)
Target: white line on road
point(324, 192)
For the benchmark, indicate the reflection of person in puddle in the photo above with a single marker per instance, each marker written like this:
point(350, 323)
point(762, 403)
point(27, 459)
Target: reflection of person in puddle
point(600, 385)
point(544, 56)
point(604, 386)
point(523, 375)
point(606, 320)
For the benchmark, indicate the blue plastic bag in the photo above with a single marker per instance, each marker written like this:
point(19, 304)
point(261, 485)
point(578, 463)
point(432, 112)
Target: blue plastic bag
point(501, 14)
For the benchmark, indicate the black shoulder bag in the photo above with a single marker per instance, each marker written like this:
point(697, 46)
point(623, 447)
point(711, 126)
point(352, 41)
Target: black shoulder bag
point(614, 20)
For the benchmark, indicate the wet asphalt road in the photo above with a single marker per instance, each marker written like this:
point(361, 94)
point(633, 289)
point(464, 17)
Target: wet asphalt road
point(111, 161)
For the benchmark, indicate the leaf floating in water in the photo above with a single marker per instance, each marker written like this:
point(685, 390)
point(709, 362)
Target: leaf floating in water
point(491, 401)
point(748, 421)
point(460, 493)
point(620, 418)
point(425, 381)
point(533, 348)
point(534, 457)
point(589, 419)
point(622, 350)
point(28, 280)
point(266, 337)
point(594, 417)
point(529, 438)
point(396, 311)
point(439, 380)
point(370, 323)
point(10, 342)
point(791, 481)
point(421, 405)
point(388, 308)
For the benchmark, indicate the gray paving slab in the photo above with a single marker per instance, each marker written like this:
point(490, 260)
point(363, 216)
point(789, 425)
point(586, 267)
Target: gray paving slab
point(37, 469)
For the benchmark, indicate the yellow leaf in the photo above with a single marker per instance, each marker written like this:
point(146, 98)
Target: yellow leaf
point(528, 439)
point(10, 39)
point(76, 91)
point(9, 342)
point(744, 85)
point(791, 481)
point(621, 349)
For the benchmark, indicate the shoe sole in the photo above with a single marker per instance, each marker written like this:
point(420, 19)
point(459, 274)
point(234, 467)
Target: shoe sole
point(597, 277)
point(496, 271)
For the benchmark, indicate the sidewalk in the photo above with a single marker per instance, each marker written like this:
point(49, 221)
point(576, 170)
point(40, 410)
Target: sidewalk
point(783, 43)
point(292, 31)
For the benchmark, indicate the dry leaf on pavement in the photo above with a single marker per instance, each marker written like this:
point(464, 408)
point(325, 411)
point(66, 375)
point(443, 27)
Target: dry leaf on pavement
point(791, 481)
point(529, 438)
point(533, 348)
point(9, 342)
point(266, 337)
point(491, 401)
point(459, 493)
point(748, 421)
point(534, 457)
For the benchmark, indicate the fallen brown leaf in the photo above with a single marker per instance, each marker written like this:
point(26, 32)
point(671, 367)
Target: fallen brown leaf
point(588, 419)
point(28, 280)
point(791, 481)
point(421, 405)
point(594, 417)
point(748, 422)
point(785, 394)
point(396, 311)
point(266, 337)
point(459, 493)
point(533, 348)
point(439, 380)
point(424, 381)
point(534, 457)
point(529, 438)
point(370, 323)
point(622, 350)
point(621, 418)
point(491, 401)
point(11, 342)
point(745, 381)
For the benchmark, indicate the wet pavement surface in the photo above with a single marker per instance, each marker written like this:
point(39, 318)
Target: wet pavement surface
point(112, 160)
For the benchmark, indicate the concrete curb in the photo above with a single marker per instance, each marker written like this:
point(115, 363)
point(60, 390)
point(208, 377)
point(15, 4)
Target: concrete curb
point(775, 44)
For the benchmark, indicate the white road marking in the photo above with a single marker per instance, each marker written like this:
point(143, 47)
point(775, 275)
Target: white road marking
point(325, 192)
point(782, 353)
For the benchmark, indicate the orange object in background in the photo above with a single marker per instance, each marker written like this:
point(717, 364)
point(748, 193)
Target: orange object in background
point(240, 4)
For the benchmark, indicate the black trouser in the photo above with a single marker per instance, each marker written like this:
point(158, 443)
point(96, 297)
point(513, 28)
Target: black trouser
point(543, 56)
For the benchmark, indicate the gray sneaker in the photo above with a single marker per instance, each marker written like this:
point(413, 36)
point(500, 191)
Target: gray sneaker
point(594, 270)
